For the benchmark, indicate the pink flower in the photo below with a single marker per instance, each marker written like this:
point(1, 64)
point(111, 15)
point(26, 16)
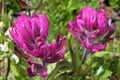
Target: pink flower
point(30, 33)
point(49, 53)
point(54, 52)
point(36, 69)
point(89, 26)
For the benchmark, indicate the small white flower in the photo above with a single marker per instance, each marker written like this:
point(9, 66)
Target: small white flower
point(4, 47)
point(14, 57)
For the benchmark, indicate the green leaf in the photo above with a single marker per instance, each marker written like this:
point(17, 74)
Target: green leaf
point(104, 75)
point(103, 54)
point(100, 54)
point(93, 3)
point(103, 79)
point(107, 73)
point(63, 65)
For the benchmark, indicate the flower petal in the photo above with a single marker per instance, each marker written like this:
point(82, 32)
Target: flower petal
point(37, 70)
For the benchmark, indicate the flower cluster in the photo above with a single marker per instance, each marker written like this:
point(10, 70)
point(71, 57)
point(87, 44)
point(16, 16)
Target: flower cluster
point(91, 28)
point(30, 34)
point(88, 28)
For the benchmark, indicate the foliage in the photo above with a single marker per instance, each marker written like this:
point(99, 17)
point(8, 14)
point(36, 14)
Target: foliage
point(115, 4)
point(104, 65)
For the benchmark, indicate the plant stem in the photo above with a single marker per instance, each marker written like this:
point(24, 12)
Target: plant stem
point(84, 57)
point(73, 57)
point(39, 6)
point(44, 64)
point(8, 69)
point(29, 13)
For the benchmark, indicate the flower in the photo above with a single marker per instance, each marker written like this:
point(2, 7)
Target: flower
point(52, 54)
point(49, 53)
point(30, 33)
point(56, 50)
point(89, 27)
point(36, 69)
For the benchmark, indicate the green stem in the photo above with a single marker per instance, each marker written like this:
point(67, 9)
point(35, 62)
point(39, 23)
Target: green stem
point(73, 57)
point(53, 73)
point(84, 57)
point(8, 69)
point(29, 13)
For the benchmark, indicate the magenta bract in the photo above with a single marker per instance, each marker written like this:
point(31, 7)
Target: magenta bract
point(89, 26)
point(51, 53)
point(36, 69)
point(56, 51)
point(30, 34)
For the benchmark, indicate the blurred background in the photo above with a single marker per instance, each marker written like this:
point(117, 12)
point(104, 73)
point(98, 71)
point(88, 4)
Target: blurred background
point(103, 65)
